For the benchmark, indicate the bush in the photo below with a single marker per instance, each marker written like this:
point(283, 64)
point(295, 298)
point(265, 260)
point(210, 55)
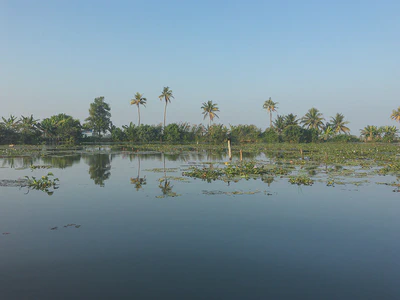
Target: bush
point(270, 136)
point(245, 133)
point(344, 138)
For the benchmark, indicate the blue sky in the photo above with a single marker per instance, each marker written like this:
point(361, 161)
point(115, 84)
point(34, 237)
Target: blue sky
point(337, 56)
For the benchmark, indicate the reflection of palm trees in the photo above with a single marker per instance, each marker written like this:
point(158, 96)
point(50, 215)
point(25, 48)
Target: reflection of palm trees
point(99, 167)
point(138, 181)
point(166, 187)
point(165, 184)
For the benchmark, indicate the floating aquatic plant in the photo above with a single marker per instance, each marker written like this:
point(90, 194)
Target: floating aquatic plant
point(45, 183)
point(301, 180)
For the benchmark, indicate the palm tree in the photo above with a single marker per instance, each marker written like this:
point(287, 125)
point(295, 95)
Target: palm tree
point(11, 126)
point(327, 132)
point(28, 124)
point(291, 119)
point(166, 95)
point(139, 100)
point(369, 132)
point(11, 123)
point(338, 124)
point(28, 128)
point(279, 123)
point(395, 115)
point(389, 132)
point(313, 119)
point(270, 106)
point(210, 109)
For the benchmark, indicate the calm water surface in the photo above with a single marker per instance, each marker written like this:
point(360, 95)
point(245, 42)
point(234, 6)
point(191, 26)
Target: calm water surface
point(188, 240)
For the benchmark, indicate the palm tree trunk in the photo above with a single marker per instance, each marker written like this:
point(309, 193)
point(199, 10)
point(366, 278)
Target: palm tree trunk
point(270, 119)
point(165, 113)
point(138, 109)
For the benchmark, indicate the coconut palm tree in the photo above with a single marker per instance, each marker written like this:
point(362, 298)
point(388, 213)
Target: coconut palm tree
point(291, 119)
point(327, 132)
point(338, 124)
point(395, 115)
point(279, 123)
point(209, 110)
point(139, 100)
point(270, 106)
point(369, 132)
point(166, 95)
point(313, 119)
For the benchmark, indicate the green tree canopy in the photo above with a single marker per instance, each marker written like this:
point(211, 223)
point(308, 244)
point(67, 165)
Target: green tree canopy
point(61, 127)
point(99, 119)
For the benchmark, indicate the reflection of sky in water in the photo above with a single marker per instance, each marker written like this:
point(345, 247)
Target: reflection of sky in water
point(286, 242)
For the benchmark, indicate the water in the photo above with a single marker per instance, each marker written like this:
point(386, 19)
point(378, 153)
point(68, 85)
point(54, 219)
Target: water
point(196, 240)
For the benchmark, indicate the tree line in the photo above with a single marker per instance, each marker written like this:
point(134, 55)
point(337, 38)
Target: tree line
point(312, 127)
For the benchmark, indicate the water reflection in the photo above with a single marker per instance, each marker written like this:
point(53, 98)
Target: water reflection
point(18, 162)
point(99, 167)
point(165, 184)
point(62, 162)
point(138, 181)
point(268, 180)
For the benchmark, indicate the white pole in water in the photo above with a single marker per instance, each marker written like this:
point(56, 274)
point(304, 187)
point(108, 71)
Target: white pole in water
point(229, 149)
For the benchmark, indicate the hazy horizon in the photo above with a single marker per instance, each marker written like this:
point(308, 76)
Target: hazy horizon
point(338, 57)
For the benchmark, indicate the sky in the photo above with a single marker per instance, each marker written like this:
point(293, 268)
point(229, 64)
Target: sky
point(337, 56)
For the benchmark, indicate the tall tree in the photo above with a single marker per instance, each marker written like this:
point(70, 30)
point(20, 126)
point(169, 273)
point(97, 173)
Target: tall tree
point(338, 124)
point(395, 115)
point(209, 110)
point(270, 106)
point(313, 119)
point(99, 119)
point(166, 95)
point(139, 100)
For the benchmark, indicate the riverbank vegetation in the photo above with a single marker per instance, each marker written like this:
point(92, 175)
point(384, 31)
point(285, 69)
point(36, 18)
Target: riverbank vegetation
point(98, 127)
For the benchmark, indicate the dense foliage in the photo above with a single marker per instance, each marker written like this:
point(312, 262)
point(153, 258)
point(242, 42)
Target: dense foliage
point(64, 129)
